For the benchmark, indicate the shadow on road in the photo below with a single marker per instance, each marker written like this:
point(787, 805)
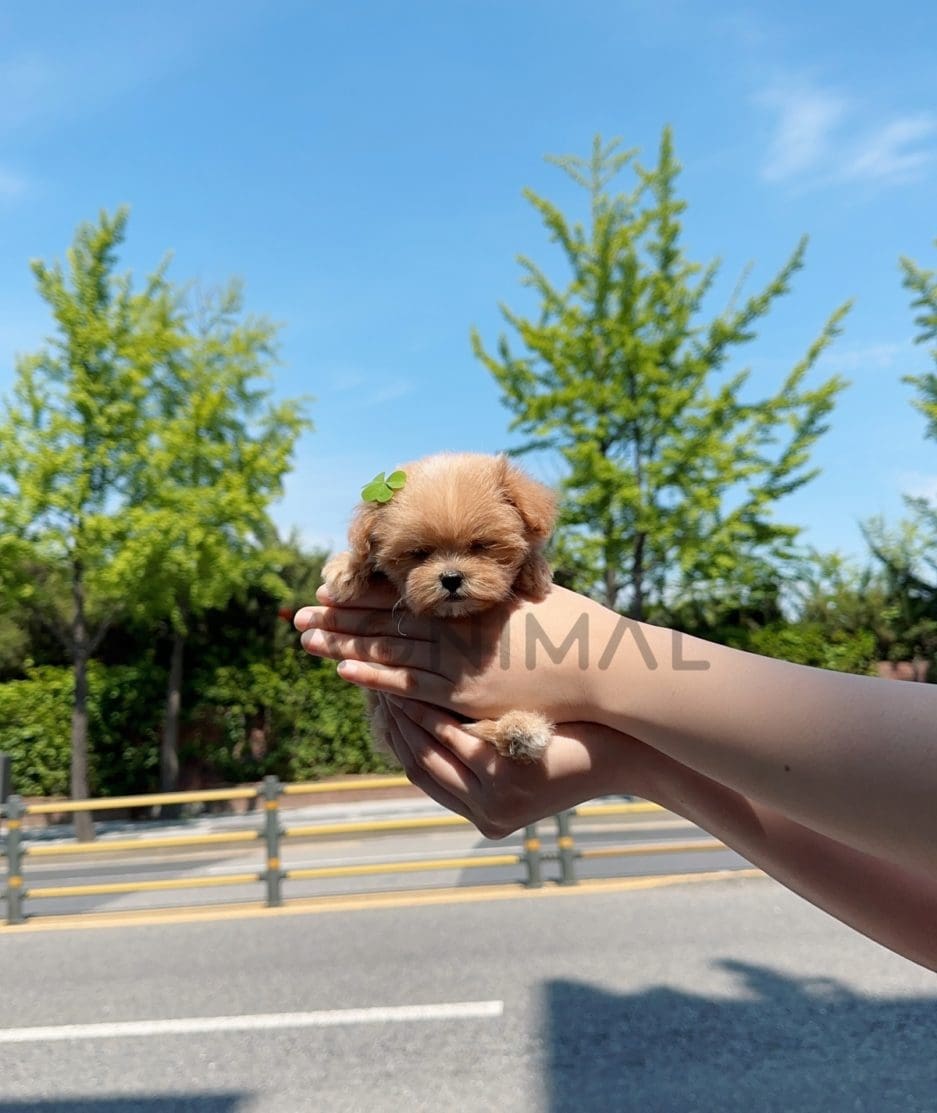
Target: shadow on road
point(810, 1045)
point(167, 1103)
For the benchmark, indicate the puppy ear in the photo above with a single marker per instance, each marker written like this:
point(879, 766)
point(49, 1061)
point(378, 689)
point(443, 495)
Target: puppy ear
point(347, 575)
point(361, 531)
point(534, 501)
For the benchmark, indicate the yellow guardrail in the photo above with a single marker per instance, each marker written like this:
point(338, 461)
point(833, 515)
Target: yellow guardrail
point(16, 850)
point(417, 823)
point(161, 842)
point(151, 800)
point(315, 788)
point(270, 831)
point(638, 807)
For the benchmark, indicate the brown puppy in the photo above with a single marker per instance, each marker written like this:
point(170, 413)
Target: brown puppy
point(464, 533)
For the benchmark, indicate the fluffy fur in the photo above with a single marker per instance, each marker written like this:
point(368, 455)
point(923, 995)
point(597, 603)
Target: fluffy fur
point(465, 533)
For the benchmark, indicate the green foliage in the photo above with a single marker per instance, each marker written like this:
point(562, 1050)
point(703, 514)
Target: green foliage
point(261, 705)
point(908, 569)
point(849, 616)
point(671, 476)
point(923, 286)
point(138, 460)
point(35, 729)
point(217, 460)
point(73, 443)
point(292, 716)
point(812, 643)
point(76, 433)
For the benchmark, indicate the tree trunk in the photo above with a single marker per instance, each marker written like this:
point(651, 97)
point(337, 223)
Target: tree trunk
point(611, 585)
point(84, 822)
point(637, 579)
point(169, 739)
point(169, 743)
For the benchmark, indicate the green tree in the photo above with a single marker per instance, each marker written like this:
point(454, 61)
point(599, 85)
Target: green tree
point(907, 555)
point(908, 562)
point(219, 456)
point(922, 284)
point(671, 477)
point(72, 445)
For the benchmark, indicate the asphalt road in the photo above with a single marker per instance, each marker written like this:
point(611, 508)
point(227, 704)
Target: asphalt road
point(717, 997)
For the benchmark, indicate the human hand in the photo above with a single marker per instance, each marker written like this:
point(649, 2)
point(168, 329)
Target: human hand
point(499, 795)
point(530, 656)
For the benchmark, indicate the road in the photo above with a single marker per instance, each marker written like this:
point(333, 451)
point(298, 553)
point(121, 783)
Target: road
point(715, 997)
point(685, 849)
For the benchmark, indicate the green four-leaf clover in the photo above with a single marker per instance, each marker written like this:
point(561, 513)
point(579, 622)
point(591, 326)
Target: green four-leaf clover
point(381, 488)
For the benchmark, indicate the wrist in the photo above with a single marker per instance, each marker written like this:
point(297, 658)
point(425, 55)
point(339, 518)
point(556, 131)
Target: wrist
point(626, 657)
point(618, 764)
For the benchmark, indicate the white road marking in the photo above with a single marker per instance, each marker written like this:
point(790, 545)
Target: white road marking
point(195, 1025)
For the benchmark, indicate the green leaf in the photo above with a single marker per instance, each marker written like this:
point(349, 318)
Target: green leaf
point(382, 490)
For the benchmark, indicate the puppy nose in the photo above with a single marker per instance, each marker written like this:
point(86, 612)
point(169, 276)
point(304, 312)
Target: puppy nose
point(451, 581)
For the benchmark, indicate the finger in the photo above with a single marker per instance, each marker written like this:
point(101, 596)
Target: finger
point(409, 683)
point(476, 754)
point(441, 764)
point(419, 777)
point(369, 623)
point(380, 595)
point(398, 652)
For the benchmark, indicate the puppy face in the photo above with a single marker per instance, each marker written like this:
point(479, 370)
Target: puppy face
point(459, 535)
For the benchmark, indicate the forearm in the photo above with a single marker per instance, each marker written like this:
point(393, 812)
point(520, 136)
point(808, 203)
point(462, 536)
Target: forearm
point(894, 906)
point(853, 757)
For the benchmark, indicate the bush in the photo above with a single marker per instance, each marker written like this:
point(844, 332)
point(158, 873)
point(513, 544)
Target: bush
point(35, 730)
point(813, 643)
point(294, 718)
point(123, 721)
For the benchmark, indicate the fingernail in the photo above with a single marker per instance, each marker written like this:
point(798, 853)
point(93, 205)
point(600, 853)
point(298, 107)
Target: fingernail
point(312, 639)
point(348, 670)
point(323, 595)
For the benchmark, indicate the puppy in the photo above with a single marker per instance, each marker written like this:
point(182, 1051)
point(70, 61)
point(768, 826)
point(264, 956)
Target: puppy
point(463, 533)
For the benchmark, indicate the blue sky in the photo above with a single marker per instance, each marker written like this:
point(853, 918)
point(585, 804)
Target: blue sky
point(360, 166)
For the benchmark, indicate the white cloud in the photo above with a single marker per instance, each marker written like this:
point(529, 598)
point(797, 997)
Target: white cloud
point(876, 357)
point(894, 152)
point(803, 136)
point(391, 391)
point(819, 140)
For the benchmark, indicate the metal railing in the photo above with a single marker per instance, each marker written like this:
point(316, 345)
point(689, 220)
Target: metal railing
point(272, 834)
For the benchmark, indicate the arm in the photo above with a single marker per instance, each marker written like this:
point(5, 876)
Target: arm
point(892, 905)
point(854, 758)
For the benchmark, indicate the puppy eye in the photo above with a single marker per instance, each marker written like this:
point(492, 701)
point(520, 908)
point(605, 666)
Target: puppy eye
point(480, 546)
point(418, 554)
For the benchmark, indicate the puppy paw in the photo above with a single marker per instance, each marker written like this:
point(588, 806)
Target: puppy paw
point(520, 735)
point(344, 578)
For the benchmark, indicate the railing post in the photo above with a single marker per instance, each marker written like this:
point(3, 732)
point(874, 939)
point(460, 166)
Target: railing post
point(532, 857)
point(566, 847)
point(273, 874)
point(14, 891)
